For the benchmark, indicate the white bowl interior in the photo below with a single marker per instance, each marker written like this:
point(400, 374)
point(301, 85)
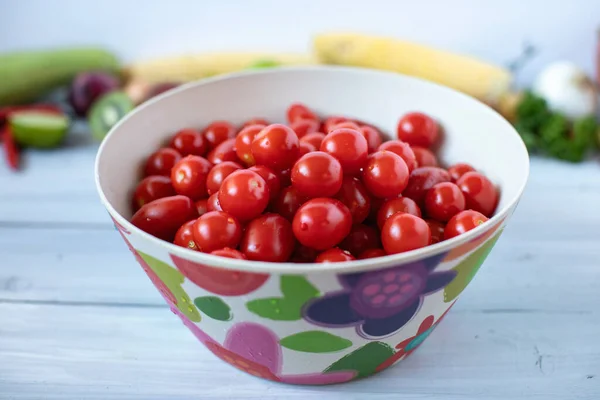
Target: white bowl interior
point(473, 132)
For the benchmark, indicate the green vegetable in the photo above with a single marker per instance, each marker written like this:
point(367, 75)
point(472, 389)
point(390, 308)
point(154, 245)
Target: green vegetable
point(27, 75)
point(38, 129)
point(552, 134)
point(107, 111)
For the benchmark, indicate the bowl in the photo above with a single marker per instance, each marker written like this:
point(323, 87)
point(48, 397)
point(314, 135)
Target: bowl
point(313, 323)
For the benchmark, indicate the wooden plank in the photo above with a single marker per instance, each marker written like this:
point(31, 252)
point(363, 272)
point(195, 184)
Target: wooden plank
point(90, 352)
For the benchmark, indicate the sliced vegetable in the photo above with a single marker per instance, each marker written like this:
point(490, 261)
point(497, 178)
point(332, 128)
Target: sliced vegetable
point(87, 87)
point(38, 129)
point(107, 111)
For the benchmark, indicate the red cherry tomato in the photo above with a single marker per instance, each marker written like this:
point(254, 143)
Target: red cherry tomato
point(355, 196)
point(334, 255)
point(244, 194)
point(315, 139)
point(189, 175)
point(218, 132)
point(371, 253)
point(305, 148)
point(480, 193)
point(218, 173)
point(268, 238)
point(332, 121)
point(276, 147)
point(317, 174)
point(271, 178)
point(421, 180)
point(256, 121)
point(225, 151)
point(385, 174)
point(243, 143)
point(161, 162)
point(373, 137)
point(349, 147)
point(163, 217)
point(458, 170)
point(151, 188)
point(288, 202)
point(229, 253)
point(215, 230)
point(399, 204)
point(322, 223)
point(303, 254)
point(361, 238)
point(185, 237)
point(463, 222)
point(437, 230)
point(202, 206)
point(303, 127)
point(213, 203)
point(403, 150)
point(189, 141)
point(376, 204)
point(418, 129)
point(443, 201)
point(424, 157)
point(285, 177)
point(345, 125)
point(299, 111)
point(404, 232)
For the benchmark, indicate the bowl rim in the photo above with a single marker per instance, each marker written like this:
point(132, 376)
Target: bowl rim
point(303, 268)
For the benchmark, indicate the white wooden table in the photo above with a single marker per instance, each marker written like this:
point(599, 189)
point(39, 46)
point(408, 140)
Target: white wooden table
point(80, 320)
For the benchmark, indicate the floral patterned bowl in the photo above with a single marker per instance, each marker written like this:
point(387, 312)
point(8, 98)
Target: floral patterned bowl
point(313, 323)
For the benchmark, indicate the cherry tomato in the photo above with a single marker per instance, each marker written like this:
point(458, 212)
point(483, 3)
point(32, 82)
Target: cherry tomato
point(392, 206)
point(463, 222)
point(403, 150)
point(334, 255)
point(218, 132)
point(404, 232)
point(185, 237)
point(480, 193)
point(345, 125)
point(299, 111)
point(317, 174)
point(373, 137)
point(163, 217)
point(285, 177)
point(303, 127)
point(421, 180)
point(371, 253)
point(458, 170)
point(218, 173)
point(315, 139)
point(213, 203)
point(305, 148)
point(424, 157)
point(385, 174)
point(202, 206)
point(151, 188)
point(443, 201)
point(256, 121)
point(288, 202)
point(189, 141)
point(271, 178)
point(349, 146)
point(268, 238)
point(355, 196)
point(303, 254)
point(276, 147)
point(322, 223)
point(229, 253)
point(244, 194)
point(161, 162)
point(437, 230)
point(376, 204)
point(332, 121)
point(361, 238)
point(243, 143)
point(225, 151)
point(189, 175)
point(215, 230)
point(418, 129)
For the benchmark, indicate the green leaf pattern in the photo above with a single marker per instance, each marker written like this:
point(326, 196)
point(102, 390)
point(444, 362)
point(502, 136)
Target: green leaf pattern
point(214, 307)
point(315, 342)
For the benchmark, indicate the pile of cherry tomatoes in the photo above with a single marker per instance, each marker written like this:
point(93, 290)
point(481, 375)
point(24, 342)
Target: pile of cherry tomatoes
point(310, 190)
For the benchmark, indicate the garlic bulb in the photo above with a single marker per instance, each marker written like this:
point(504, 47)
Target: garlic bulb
point(567, 89)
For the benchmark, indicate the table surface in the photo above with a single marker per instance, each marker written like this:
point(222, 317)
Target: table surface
point(80, 320)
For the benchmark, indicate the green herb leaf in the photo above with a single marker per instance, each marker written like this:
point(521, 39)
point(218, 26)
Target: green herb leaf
point(214, 307)
point(315, 342)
